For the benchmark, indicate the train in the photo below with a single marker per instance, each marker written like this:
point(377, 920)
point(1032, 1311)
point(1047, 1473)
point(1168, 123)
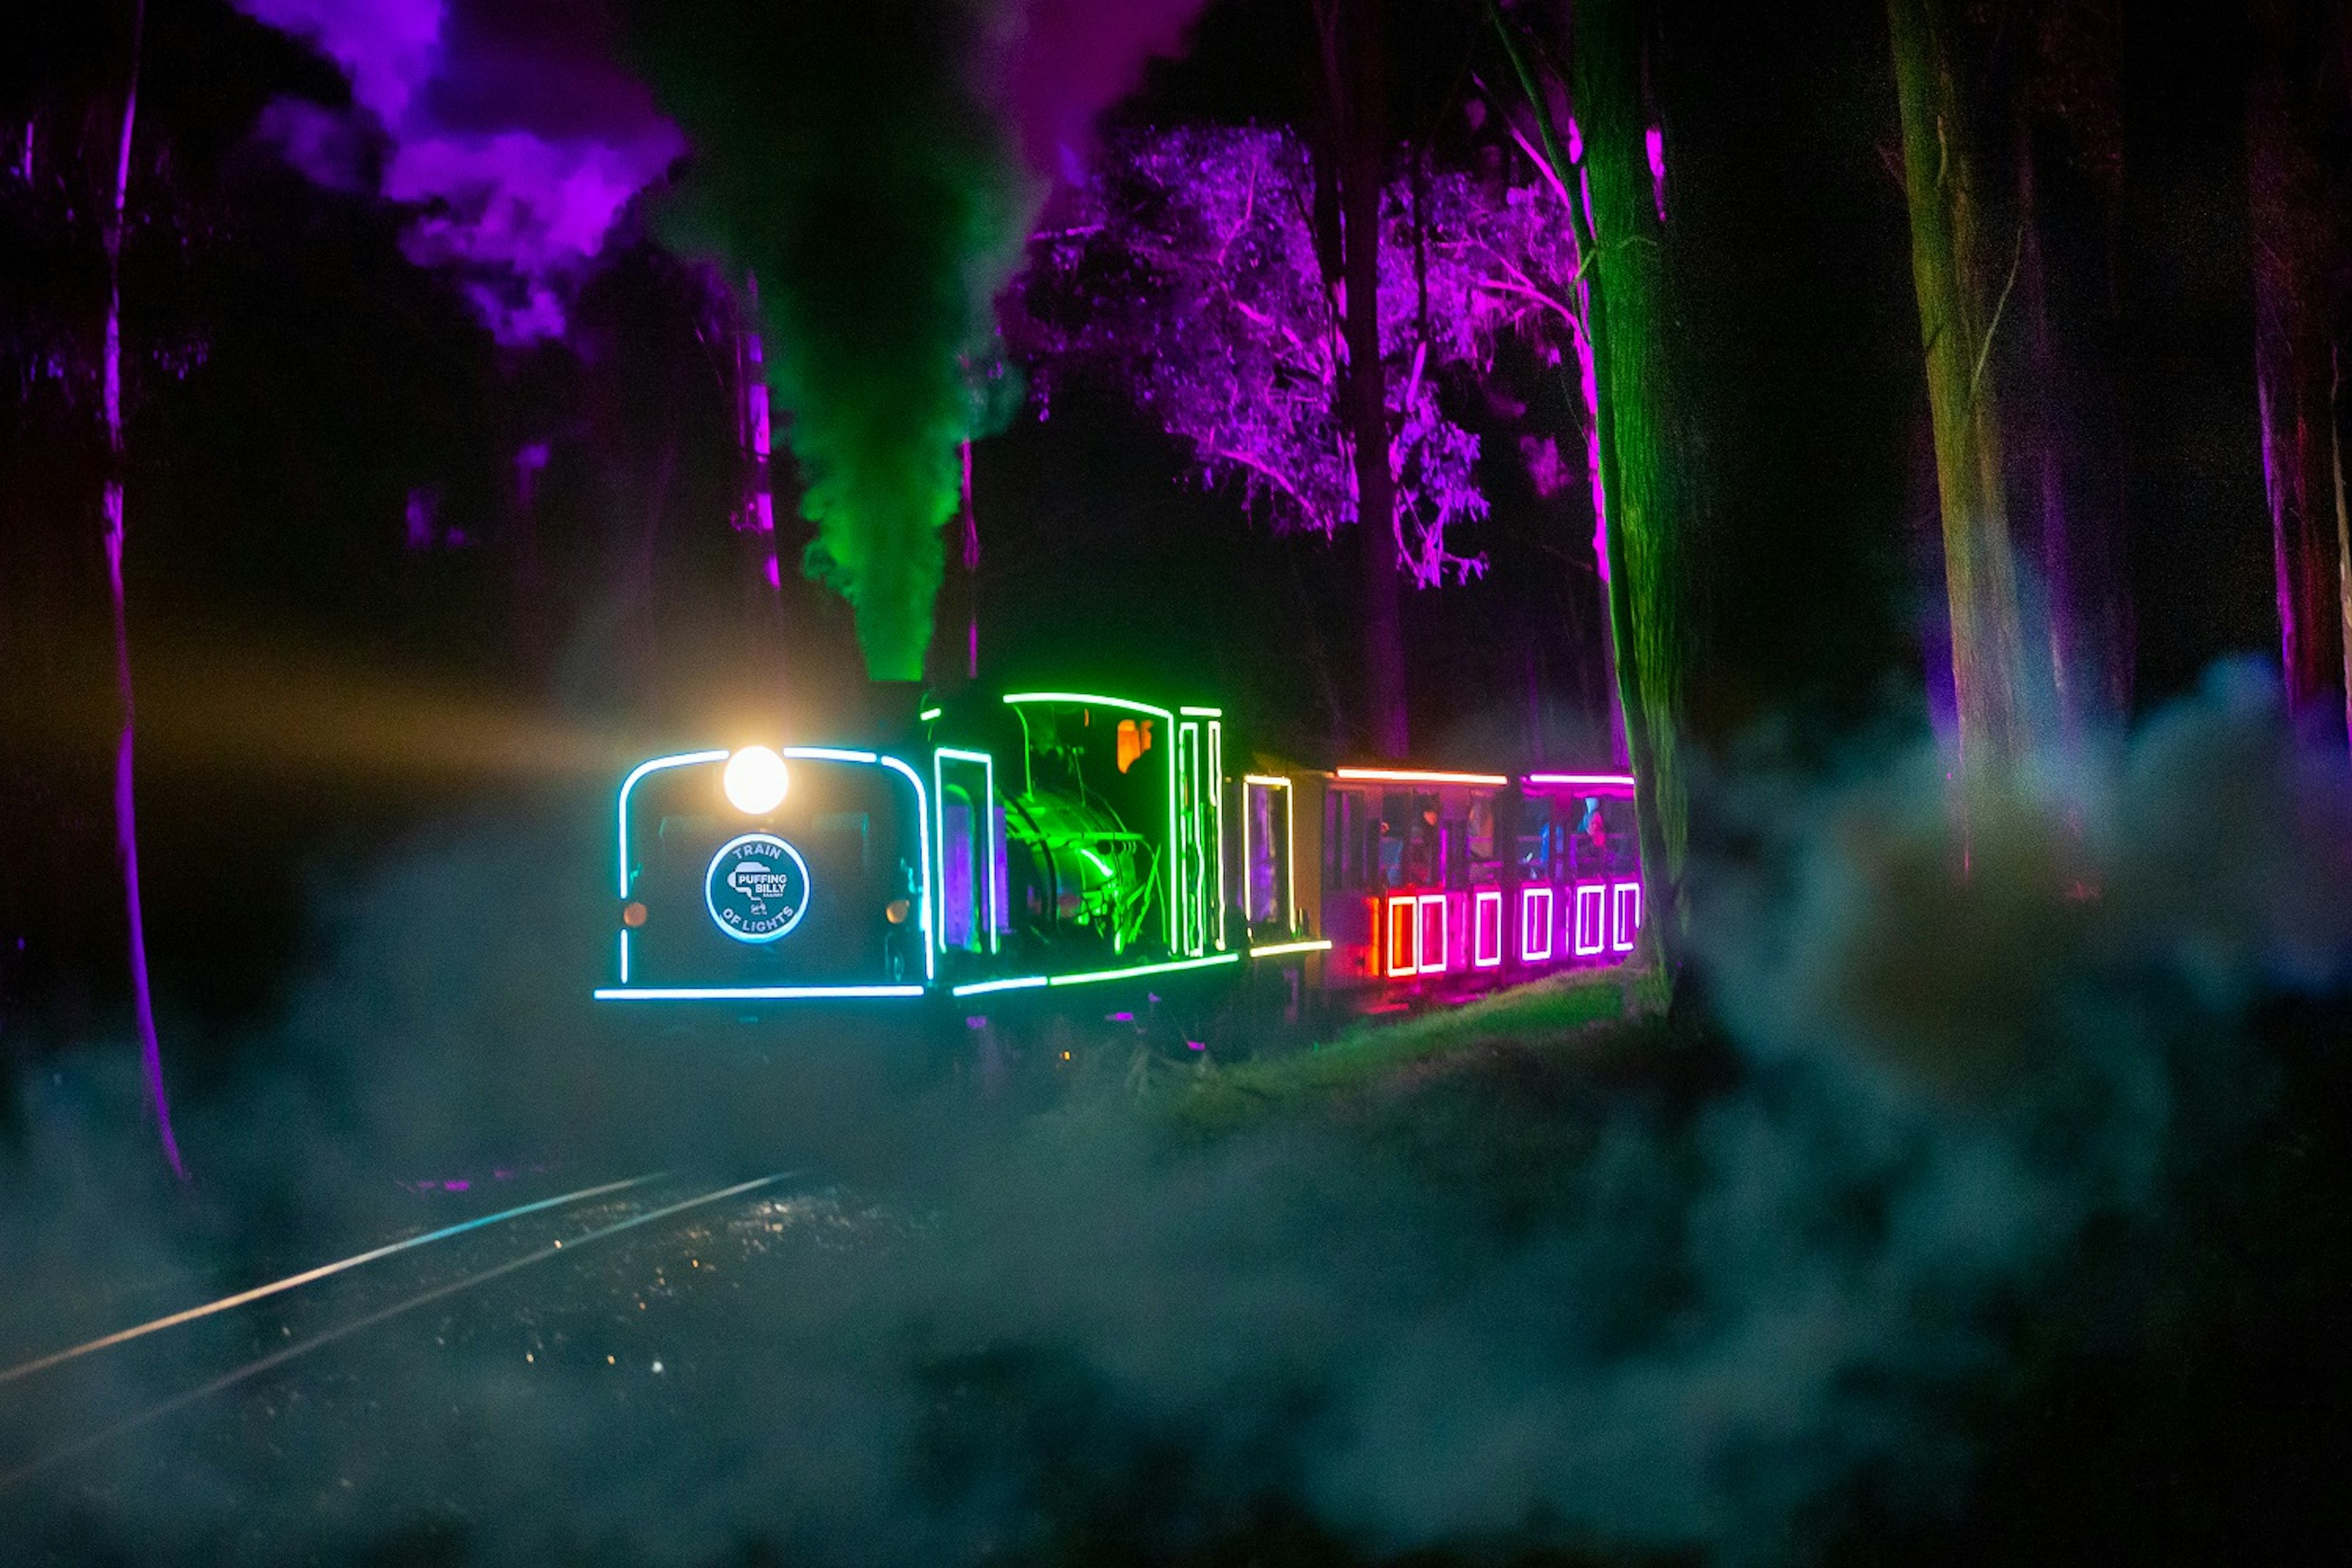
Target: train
point(1028, 848)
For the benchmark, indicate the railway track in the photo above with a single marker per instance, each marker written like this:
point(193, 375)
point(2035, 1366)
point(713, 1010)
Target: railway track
point(578, 1220)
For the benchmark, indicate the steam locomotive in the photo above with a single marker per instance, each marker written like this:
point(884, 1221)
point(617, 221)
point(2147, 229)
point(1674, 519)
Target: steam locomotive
point(1025, 844)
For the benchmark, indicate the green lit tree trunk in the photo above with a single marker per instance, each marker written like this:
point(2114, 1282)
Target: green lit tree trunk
point(1956, 319)
point(1649, 502)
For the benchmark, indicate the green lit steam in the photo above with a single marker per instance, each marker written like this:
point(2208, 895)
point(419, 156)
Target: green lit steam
point(840, 153)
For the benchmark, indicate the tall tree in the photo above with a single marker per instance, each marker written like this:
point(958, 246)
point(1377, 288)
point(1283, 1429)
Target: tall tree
point(1959, 312)
point(2066, 146)
point(126, 817)
point(1647, 456)
point(1353, 78)
point(2296, 96)
point(1600, 137)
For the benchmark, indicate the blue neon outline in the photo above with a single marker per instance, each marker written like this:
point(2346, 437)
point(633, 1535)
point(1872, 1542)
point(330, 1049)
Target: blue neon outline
point(682, 758)
point(923, 849)
point(808, 886)
point(794, 753)
point(747, 992)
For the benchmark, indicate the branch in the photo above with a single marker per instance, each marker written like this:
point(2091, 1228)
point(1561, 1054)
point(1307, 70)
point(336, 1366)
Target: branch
point(1983, 353)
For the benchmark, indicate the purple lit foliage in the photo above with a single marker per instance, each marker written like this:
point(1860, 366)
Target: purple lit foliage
point(1185, 263)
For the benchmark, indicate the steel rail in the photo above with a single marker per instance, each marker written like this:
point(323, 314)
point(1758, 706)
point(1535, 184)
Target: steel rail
point(384, 1314)
point(242, 1297)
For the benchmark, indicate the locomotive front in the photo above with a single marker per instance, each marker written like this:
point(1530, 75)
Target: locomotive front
point(773, 874)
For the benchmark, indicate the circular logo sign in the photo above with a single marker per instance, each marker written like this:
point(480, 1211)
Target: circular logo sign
point(757, 887)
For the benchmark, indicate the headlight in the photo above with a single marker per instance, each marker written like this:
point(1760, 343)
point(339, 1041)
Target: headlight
point(756, 780)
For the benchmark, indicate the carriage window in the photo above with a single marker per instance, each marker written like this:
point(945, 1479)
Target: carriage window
point(1266, 836)
point(1480, 841)
point(1344, 823)
point(960, 870)
point(969, 896)
point(1533, 853)
point(1603, 843)
point(1411, 841)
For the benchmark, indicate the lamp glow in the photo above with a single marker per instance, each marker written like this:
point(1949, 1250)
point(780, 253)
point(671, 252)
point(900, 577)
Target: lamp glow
point(756, 780)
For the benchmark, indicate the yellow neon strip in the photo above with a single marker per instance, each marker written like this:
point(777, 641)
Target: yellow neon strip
point(1407, 775)
point(1280, 948)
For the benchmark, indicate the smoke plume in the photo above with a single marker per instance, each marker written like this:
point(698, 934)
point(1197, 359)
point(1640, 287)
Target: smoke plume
point(875, 167)
point(504, 123)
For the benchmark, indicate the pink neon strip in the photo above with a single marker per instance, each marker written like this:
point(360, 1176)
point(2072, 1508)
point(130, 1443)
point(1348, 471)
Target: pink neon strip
point(1529, 897)
point(1584, 781)
point(1406, 775)
point(1622, 939)
point(1486, 923)
point(1445, 936)
point(1594, 895)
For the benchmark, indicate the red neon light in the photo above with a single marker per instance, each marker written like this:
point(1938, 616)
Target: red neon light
point(1404, 937)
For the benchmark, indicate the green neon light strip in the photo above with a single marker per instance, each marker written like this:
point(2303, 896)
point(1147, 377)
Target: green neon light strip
point(1099, 863)
point(1202, 712)
point(1277, 950)
point(1217, 818)
point(928, 714)
point(1188, 855)
point(1085, 699)
point(939, 758)
point(1143, 969)
point(983, 987)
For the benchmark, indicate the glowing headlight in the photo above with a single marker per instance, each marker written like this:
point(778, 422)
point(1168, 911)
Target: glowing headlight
point(756, 780)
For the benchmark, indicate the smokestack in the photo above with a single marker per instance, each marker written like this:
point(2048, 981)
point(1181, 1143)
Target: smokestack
point(889, 723)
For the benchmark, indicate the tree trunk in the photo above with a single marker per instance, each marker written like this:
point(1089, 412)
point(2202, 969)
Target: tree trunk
point(126, 817)
point(2293, 232)
point(2072, 461)
point(1646, 493)
point(1355, 95)
point(1955, 325)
